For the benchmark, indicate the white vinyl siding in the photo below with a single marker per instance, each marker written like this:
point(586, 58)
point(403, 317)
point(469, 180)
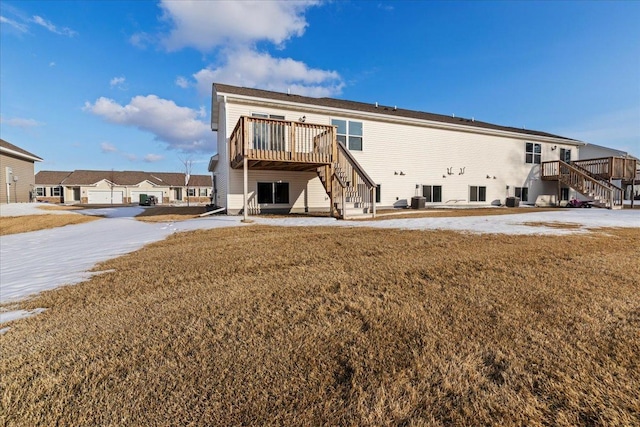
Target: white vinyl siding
point(419, 154)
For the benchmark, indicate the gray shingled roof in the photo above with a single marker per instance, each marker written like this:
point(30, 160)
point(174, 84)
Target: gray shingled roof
point(371, 108)
point(51, 177)
point(9, 146)
point(90, 177)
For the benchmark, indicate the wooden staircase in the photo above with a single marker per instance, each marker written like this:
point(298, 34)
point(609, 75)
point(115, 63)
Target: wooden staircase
point(591, 185)
point(351, 190)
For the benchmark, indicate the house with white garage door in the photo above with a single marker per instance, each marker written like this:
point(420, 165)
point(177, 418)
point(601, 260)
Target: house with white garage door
point(120, 187)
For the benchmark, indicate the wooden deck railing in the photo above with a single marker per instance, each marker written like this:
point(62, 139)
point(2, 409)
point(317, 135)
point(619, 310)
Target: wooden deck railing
point(281, 141)
point(609, 167)
point(357, 189)
point(576, 178)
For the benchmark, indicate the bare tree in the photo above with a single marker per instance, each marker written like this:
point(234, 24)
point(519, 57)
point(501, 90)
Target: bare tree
point(187, 163)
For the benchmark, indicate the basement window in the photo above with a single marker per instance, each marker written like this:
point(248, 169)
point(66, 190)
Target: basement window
point(273, 192)
point(477, 194)
point(432, 193)
point(533, 153)
point(522, 193)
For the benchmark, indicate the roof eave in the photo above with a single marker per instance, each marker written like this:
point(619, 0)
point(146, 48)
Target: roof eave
point(19, 154)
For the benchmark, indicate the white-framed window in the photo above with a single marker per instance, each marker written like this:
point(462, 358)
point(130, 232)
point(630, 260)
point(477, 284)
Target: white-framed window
point(56, 191)
point(522, 193)
point(565, 155)
point(378, 193)
point(432, 193)
point(349, 133)
point(273, 192)
point(41, 191)
point(269, 135)
point(533, 153)
point(477, 194)
point(202, 192)
point(191, 192)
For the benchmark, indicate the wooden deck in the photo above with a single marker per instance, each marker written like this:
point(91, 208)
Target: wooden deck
point(270, 144)
point(603, 168)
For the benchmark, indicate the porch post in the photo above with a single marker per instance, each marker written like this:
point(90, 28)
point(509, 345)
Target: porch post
point(245, 171)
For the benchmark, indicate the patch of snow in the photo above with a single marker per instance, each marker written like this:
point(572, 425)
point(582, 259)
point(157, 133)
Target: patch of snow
point(9, 316)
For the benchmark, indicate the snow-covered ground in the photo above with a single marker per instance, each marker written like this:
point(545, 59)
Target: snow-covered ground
point(46, 259)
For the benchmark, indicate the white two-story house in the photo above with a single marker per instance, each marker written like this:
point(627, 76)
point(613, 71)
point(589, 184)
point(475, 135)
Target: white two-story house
point(279, 152)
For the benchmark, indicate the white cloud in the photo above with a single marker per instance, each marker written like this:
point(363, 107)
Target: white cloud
point(151, 158)
point(261, 70)
point(141, 40)
point(182, 82)
point(205, 25)
point(64, 31)
point(177, 126)
point(105, 147)
point(117, 81)
point(21, 123)
point(22, 28)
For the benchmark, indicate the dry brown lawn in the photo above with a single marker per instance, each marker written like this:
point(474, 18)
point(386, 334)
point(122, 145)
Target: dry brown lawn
point(47, 207)
point(351, 327)
point(452, 213)
point(23, 224)
point(170, 213)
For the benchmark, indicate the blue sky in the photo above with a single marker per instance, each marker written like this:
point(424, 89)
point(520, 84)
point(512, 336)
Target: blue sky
point(125, 85)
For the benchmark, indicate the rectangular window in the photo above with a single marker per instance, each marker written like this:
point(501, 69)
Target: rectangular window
point(565, 155)
point(477, 194)
point(349, 133)
point(533, 153)
point(522, 193)
point(40, 192)
point(432, 193)
point(191, 192)
point(564, 194)
point(56, 191)
point(378, 193)
point(202, 192)
point(273, 192)
point(268, 135)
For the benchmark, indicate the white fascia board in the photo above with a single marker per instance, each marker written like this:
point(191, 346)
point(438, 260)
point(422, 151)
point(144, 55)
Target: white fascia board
point(401, 120)
point(18, 154)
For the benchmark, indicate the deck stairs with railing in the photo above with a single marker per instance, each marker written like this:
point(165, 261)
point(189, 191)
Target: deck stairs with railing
point(351, 190)
point(592, 178)
point(271, 144)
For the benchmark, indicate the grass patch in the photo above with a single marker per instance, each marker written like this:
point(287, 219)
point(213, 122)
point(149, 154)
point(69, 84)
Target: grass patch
point(324, 326)
point(387, 214)
point(24, 224)
point(558, 225)
point(170, 213)
point(47, 207)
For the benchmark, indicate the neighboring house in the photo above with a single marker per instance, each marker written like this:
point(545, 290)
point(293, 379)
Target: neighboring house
point(630, 186)
point(291, 153)
point(120, 187)
point(16, 174)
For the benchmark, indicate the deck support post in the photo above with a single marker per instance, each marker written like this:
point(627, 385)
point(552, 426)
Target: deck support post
point(245, 172)
point(373, 202)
